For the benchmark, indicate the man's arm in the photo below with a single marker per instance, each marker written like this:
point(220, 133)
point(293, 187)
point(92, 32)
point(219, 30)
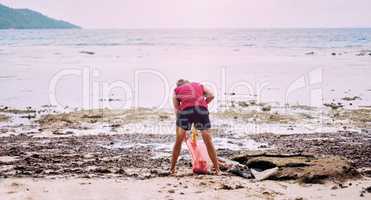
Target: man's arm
point(176, 103)
point(208, 94)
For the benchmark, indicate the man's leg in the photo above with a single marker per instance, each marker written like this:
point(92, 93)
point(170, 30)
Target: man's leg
point(211, 149)
point(180, 135)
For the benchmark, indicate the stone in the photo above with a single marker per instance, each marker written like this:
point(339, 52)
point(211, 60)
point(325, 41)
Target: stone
point(226, 187)
point(310, 53)
point(87, 52)
point(266, 108)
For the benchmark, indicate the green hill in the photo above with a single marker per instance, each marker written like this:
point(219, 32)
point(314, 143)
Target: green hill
point(27, 19)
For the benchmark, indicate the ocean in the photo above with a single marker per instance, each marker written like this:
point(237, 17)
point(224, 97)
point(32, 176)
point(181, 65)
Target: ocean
point(127, 68)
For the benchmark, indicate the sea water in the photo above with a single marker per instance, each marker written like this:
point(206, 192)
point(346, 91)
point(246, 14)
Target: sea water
point(126, 68)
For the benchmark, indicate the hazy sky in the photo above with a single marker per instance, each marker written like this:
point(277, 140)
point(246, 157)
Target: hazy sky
point(204, 13)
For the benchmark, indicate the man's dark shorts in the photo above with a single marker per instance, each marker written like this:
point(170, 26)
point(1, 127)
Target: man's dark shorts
point(199, 116)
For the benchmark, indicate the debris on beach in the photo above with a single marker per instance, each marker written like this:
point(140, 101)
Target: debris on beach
point(58, 149)
point(264, 174)
point(303, 107)
point(29, 116)
point(304, 168)
point(3, 118)
point(359, 117)
point(351, 98)
point(350, 145)
point(334, 106)
point(72, 119)
point(235, 168)
point(267, 108)
point(87, 52)
point(258, 116)
point(109, 99)
point(310, 53)
point(6, 109)
point(243, 104)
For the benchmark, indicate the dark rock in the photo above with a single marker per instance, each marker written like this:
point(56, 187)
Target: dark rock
point(102, 170)
point(239, 186)
point(226, 187)
point(87, 52)
point(240, 170)
point(310, 53)
point(351, 98)
point(161, 173)
point(115, 125)
point(266, 108)
point(297, 165)
point(243, 104)
point(260, 164)
point(314, 178)
point(361, 54)
point(333, 105)
point(28, 116)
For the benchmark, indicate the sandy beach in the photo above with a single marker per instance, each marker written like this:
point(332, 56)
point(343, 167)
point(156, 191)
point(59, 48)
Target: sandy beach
point(111, 154)
point(189, 187)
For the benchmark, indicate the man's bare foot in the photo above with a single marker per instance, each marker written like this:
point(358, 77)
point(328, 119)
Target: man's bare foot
point(172, 172)
point(216, 172)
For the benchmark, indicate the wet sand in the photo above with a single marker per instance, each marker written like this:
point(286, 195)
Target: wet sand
point(95, 156)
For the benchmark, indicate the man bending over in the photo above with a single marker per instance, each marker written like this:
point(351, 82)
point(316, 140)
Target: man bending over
point(190, 103)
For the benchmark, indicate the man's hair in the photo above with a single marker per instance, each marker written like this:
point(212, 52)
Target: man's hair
point(181, 82)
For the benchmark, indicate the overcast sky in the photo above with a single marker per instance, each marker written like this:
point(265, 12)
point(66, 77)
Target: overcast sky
point(204, 13)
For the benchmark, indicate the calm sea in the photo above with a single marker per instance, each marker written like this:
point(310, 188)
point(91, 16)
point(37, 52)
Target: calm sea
point(124, 68)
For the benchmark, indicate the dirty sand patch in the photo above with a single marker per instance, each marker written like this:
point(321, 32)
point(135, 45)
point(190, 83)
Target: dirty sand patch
point(257, 116)
point(351, 145)
point(16, 110)
point(360, 117)
point(115, 117)
point(303, 168)
point(3, 118)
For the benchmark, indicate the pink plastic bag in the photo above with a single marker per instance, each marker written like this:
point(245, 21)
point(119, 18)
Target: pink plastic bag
point(200, 157)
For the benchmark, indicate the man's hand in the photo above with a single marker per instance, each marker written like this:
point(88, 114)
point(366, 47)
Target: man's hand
point(208, 94)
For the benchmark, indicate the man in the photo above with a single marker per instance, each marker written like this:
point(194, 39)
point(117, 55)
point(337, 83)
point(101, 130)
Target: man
point(191, 106)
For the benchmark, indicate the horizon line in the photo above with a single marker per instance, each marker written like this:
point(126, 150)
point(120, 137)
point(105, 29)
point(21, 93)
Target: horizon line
point(200, 28)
